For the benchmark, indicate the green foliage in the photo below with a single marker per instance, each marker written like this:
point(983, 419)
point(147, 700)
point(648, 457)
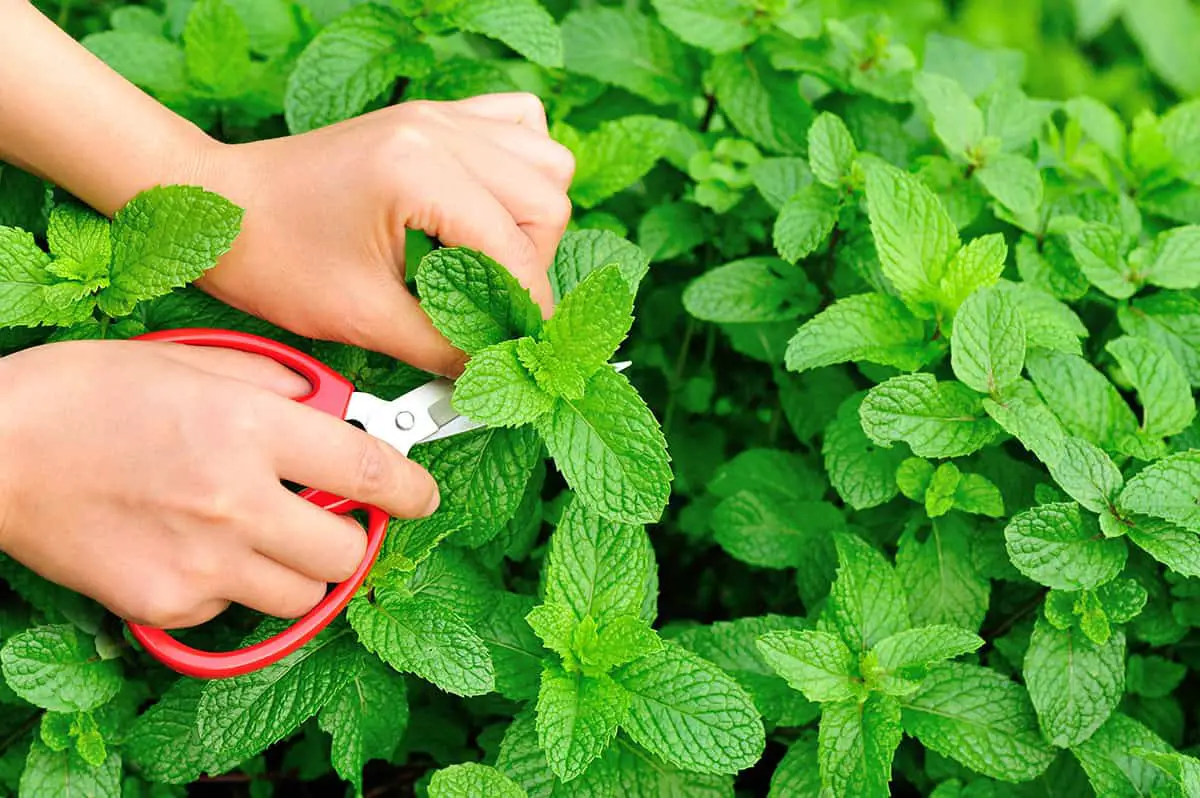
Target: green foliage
point(897, 496)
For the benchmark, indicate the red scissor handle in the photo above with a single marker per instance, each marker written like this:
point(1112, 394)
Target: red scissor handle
point(331, 394)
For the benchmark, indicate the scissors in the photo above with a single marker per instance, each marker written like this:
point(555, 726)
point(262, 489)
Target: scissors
point(423, 414)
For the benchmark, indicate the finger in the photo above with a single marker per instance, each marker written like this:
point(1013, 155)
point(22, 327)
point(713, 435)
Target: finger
point(520, 108)
point(257, 370)
point(324, 452)
point(540, 208)
point(545, 154)
point(262, 584)
point(390, 320)
point(461, 212)
point(313, 542)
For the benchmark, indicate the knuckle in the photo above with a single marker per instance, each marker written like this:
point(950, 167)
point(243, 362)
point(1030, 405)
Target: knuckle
point(300, 599)
point(351, 549)
point(531, 106)
point(373, 474)
point(167, 604)
point(561, 164)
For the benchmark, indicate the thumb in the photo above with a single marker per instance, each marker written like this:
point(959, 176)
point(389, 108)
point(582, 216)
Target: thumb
point(391, 322)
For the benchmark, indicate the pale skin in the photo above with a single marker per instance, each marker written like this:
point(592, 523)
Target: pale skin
point(146, 475)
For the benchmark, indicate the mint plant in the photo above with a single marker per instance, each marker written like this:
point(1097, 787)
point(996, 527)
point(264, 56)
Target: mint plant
point(896, 496)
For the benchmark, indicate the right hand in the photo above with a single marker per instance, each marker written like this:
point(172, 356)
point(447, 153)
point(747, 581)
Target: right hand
point(146, 476)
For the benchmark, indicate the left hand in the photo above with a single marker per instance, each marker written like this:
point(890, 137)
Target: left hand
point(321, 252)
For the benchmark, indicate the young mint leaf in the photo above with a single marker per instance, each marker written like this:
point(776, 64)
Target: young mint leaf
point(1183, 769)
point(758, 289)
point(939, 576)
point(690, 713)
point(761, 102)
point(617, 642)
point(943, 485)
point(870, 327)
point(624, 47)
point(1166, 489)
point(1013, 180)
point(1111, 766)
point(470, 779)
point(897, 664)
point(30, 293)
point(976, 494)
point(805, 222)
point(473, 300)
point(987, 351)
point(856, 744)
point(350, 62)
point(497, 390)
point(1161, 383)
point(524, 25)
point(65, 772)
point(56, 667)
point(1073, 683)
point(831, 150)
point(1171, 320)
point(592, 320)
point(80, 242)
point(555, 624)
point(936, 419)
point(913, 477)
point(164, 238)
point(817, 664)
point(979, 718)
point(577, 719)
point(1059, 546)
point(714, 25)
point(957, 121)
point(424, 637)
point(976, 266)
point(863, 474)
point(610, 449)
point(866, 603)
point(580, 252)
point(242, 716)
point(599, 568)
point(1177, 548)
point(216, 47)
point(912, 231)
point(366, 717)
point(615, 155)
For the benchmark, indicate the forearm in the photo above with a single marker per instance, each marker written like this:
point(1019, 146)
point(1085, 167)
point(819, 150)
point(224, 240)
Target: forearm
point(67, 117)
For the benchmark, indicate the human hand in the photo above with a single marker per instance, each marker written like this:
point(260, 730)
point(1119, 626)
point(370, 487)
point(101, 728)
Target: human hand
point(321, 252)
point(163, 500)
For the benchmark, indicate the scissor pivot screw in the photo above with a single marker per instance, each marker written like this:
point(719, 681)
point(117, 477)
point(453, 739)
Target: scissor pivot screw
point(405, 420)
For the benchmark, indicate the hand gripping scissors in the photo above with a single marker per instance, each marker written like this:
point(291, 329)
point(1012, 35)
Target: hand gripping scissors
point(423, 414)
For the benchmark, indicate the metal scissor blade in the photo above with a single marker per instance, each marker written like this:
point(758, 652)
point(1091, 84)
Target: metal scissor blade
point(422, 415)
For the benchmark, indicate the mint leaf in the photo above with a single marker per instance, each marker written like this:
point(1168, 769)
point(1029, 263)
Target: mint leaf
point(523, 25)
point(470, 779)
point(805, 222)
point(1172, 262)
point(424, 637)
point(515, 650)
point(957, 121)
point(244, 715)
point(987, 352)
point(817, 664)
point(761, 103)
point(865, 603)
point(690, 713)
point(1049, 323)
point(1111, 766)
point(1166, 489)
point(625, 48)
point(30, 293)
point(216, 47)
point(79, 240)
point(856, 744)
point(1178, 549)
point(615, 155)
point(56, 667)
point(714, 25)
point(556, 625)
point(1161, 383)
point(936, 419)
point(496, 389)
point(977, 265)
point(1074, 683)
point(1098, 250)
point(1171, 320)
point(1060, 547)
point(580, 252)
point(767, 532)
point(831, 150)
point(577, 719)
point(616, 642)
point(473, 300)
point(979, 718)
point(923, 647)
point(350, 62)
point(862, 474)
point(65, 773)
point(1013, 180)
point(1087, 474)
point(912, 232)
point(164, 742)
point(600, 568)
point(875, 328)
point(164, 238)
point(940, 577)
point(1086, 403)
point(366, 718)
point(610, 450)
point(592, 320)
point(798, 774)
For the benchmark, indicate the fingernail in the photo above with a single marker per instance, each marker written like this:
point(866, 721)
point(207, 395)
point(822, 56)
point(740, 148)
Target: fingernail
point(435, 501)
